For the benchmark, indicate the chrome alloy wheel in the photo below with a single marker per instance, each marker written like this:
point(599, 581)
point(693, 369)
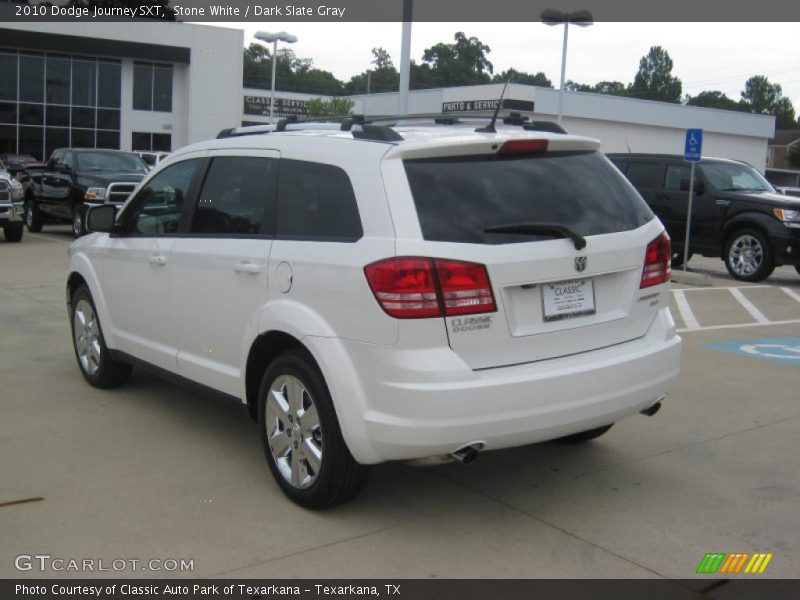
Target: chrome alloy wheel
point(77, 223)
point(745, 255)
point(29, 215)
point(87, 337)
point(293, 431)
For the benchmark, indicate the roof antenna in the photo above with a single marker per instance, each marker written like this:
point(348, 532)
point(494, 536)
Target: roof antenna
point(628, 145)
point(490, 127)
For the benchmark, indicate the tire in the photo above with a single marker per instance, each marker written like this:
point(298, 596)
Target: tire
point(748, 256)
point(584, 436)
point(78, 217)
point(33, 216)
point(324, 473)
point(13, 234)
point(95, 362)
point(797, 268)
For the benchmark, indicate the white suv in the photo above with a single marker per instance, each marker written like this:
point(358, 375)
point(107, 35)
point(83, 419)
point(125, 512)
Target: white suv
point(375, 292)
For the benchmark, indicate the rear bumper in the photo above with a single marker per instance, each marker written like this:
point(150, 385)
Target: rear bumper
point(419, 403)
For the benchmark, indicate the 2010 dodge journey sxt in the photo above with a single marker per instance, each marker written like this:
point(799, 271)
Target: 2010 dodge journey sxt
point(385, 292)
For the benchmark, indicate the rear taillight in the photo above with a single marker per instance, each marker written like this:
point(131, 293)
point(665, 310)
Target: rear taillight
point(657, 262)
point(417, 287)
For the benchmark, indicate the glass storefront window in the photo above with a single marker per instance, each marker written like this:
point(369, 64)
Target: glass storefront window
point(57, 81)
point(51, 101)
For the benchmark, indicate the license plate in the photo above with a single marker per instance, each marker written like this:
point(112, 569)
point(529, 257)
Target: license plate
point(567, 299)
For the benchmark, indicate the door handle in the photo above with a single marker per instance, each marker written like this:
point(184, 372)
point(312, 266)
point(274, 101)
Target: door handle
point(662, 197)
point(157, 259)
point(247, 267)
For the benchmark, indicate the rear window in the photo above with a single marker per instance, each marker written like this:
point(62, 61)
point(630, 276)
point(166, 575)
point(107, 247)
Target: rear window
point(458, 197)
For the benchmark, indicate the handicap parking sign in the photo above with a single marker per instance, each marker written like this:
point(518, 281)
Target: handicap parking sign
point(784, 350)
point(693, 148)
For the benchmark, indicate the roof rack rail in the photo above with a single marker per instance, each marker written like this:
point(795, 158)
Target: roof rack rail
point(378, 127)
point(376, 133)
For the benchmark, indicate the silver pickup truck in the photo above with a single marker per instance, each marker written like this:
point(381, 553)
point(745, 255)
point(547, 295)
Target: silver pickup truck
point(12, 206)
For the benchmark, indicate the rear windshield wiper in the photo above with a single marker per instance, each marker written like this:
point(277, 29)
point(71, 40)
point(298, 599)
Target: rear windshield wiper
point(544, 228)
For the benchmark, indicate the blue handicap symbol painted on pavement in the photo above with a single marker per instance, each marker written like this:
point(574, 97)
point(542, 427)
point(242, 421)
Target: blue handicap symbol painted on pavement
point(785, 350)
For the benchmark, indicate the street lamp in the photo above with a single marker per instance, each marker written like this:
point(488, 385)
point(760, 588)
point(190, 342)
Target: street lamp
point(581, 18)
point(272, 38)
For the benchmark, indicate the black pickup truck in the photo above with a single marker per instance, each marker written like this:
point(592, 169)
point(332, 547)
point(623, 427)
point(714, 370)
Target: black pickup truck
point(75, 178)
point(736, 214)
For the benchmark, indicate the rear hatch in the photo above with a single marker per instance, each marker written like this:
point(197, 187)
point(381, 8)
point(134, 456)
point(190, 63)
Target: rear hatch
point(563, 237)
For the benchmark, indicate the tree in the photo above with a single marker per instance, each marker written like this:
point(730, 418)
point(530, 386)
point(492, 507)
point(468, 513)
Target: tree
point(292, 74)
point(514, 76)
point(461, 63)
point(765, 98)
point(715, 99)
point(383, 78)
point(611, 88)
point(654, 80)
point(317, 107)
point(381, 59)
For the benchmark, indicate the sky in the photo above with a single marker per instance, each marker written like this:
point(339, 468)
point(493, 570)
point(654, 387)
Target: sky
point(706, 56)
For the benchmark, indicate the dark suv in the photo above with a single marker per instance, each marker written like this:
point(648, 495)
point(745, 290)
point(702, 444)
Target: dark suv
point(736, 213)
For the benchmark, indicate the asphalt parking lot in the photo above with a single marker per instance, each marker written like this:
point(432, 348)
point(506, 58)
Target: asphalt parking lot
point(152, 470)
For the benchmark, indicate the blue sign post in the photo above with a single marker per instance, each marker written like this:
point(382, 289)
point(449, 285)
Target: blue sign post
point(692, 151)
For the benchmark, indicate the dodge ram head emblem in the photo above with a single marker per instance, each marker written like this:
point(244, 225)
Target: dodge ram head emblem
point(580, 264)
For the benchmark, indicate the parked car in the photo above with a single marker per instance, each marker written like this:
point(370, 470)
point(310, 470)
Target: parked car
point(11, 207)
point(75, 178)
point(788, 191)
point(376, 293)
point(14, 163)
point(151, 157)
point(736, 214)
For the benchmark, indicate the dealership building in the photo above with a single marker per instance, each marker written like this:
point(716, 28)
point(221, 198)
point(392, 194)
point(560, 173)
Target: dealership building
point(160, 86)
point(130, 86)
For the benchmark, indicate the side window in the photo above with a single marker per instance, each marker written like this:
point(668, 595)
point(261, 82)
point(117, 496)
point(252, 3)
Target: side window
point(67, 162)
point(675, 174)
point(316, 201)
point(644, 174)
point(237, 197)
point(57, 158)
point(156, 208)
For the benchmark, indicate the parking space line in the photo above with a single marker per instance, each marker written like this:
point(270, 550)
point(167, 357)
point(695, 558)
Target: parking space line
point(686, 311)
point(737, 325)
point(721, 287)
point(748, 306)
point(791, 293)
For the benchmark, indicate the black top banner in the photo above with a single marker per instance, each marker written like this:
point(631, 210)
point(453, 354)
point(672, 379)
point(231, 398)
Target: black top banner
point(393, 10)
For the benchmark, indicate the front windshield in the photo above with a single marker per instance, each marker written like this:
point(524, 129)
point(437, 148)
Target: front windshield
point(110, 161)
point(730, 177)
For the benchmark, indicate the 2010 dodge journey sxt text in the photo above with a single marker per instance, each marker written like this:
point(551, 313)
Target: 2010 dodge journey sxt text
point(385, 292)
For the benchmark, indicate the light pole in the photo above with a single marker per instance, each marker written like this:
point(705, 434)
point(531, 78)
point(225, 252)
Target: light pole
point(273, 38)
point(581, 18)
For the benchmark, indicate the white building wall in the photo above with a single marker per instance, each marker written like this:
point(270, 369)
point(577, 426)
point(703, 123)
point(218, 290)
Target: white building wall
point(206, 94)
point(619, 123)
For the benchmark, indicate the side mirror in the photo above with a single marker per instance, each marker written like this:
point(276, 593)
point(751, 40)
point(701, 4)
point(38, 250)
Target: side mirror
point(101, 218)
point(66, 169)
